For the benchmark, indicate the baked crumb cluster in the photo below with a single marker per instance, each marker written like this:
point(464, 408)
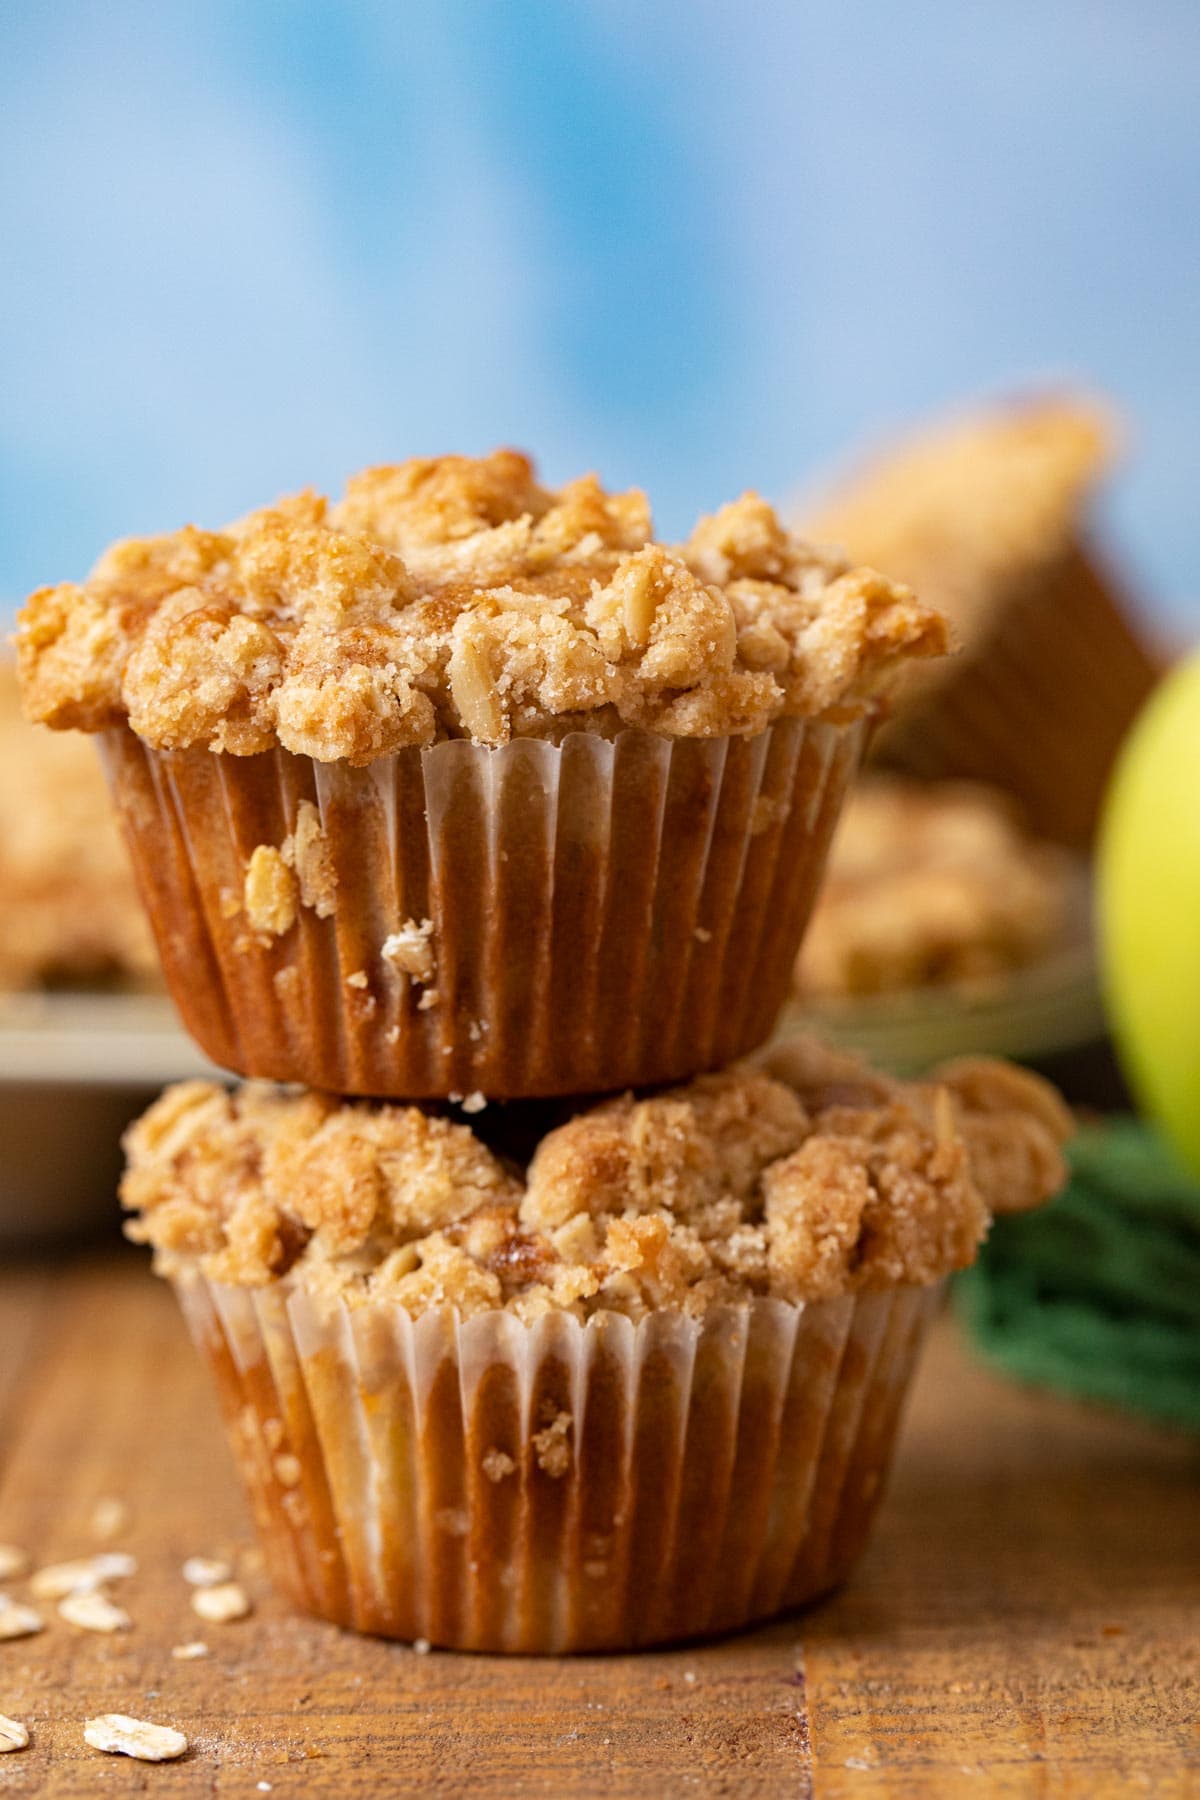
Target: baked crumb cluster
point(968, 505)
point(799, 1175)
point(933, 884)
point(69, 912)
point(457, 597)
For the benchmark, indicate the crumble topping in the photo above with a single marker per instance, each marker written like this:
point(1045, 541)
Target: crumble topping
point(69, 910)
point(801, 1174)
point(457, 597)
point(962, 507)
point(932, 884)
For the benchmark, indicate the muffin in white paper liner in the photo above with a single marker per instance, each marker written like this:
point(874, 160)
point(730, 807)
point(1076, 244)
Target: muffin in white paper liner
point(527, 920)
point(488, 1484)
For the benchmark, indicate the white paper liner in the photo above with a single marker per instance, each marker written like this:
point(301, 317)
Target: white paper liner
point(712, 1473)
point(605, 913)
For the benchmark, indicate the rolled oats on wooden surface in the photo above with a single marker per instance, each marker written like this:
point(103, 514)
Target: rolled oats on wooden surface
point(120, 1735)
point(13, 1735)
point(207, 1571)
point(55, 1580)
point(17, 1620)
point(92, 1610)
point(222, 1604)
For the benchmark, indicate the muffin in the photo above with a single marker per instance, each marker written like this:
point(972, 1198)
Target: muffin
point(936, 885)
point(463, 786)
point(69, 912)
point(633, 1381)
point(987, 517)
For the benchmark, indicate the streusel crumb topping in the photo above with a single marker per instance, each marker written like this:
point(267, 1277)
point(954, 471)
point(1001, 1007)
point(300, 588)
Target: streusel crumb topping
point(800, 1175)
point(457, 597)
point(965, 506)
point(934, 884)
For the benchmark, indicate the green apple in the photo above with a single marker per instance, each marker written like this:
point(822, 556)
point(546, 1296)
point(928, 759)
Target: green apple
point(1149, 907)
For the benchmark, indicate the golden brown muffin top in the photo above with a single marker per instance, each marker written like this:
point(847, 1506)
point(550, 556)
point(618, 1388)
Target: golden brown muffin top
point(800, 1175)
point(457, 597)
point(69, 911)
point(934, 884)
point(963, 507)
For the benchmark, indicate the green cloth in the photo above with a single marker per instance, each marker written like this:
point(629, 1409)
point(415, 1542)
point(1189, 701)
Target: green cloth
point(1099, 1293)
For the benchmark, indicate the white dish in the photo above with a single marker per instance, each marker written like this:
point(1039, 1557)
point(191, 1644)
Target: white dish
point(1029, 1016)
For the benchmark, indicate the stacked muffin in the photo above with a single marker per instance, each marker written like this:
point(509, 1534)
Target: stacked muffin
point(467, 793)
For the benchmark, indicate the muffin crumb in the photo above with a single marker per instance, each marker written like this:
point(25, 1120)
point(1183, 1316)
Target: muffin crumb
point(410, 951)
point(306, 851)
point(496, 1465)
point(271, 896)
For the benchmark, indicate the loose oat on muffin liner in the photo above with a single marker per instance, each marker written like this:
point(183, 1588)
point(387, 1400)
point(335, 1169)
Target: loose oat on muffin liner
point(555, 1486)
point(526, 919)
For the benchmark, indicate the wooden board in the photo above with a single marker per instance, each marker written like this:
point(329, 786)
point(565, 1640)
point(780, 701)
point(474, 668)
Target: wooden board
point(1025, 1622)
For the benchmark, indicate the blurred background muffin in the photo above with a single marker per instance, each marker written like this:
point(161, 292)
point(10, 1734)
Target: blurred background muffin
point(69, 911)
point(988, 515)
point(945, 927)
point(935, 885)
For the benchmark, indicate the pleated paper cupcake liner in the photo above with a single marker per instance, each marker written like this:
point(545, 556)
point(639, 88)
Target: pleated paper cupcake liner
point(585, 916)
point(493, 1485)
point(1039, 707)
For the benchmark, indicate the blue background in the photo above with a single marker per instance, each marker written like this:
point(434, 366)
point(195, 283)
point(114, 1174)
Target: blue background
point(256, 244)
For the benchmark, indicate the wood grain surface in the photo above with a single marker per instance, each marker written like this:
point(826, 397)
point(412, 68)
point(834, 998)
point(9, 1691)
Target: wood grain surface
point(1025, 1622)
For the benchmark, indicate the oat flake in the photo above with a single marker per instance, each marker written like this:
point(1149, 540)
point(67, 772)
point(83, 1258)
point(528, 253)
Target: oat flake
point(222, 1604)
point(207, 1571)
point(17, 1621)
point(110, 1517)
point(82, 1575)
point(13, 1735)
point(92, 1610)
point(122, 1736)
